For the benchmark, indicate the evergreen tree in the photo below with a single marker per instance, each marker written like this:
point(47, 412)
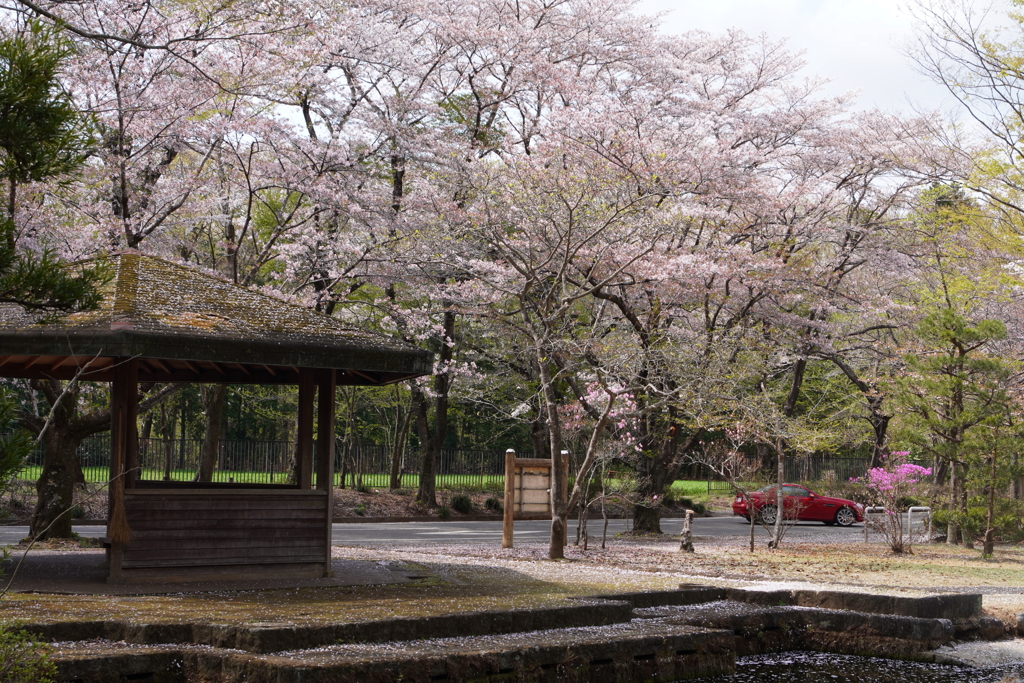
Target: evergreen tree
point(42, 135)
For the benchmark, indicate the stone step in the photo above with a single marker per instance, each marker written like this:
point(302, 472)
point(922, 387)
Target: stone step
point(643, 650)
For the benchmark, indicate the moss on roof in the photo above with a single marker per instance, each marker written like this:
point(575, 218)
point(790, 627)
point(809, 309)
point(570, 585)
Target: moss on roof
point(158, 309)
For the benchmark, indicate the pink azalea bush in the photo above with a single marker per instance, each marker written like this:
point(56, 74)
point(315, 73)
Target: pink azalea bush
point(889, 486)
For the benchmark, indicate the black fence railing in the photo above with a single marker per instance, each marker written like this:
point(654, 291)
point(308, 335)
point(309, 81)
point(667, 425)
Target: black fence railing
point(824, 469)
point(270, 462)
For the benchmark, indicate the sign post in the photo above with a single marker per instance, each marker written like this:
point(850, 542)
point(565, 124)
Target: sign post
point(528, 483)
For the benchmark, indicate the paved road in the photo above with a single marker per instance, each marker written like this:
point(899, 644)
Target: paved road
point(490, 532)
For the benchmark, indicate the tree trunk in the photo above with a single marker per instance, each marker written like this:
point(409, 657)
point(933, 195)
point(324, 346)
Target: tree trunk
point(432, 436)
point(654, 474)
point(880, 428)
point(878, 419)
point(213, 409)
point(647, 519)
point(63, 434)
point(539, 434)
point(780, 476)
point(61, 471)
point(952, 530)
point(426, 493)
point(940, 471)
point(1017, 484)
point(56, 486)
point(398, 450)
point(961, 493)
point(989, 547)
point(559, 507)
point(168, 422)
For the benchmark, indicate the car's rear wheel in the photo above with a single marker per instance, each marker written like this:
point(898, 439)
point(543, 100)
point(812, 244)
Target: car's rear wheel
point(845, 516)
point(767, 514)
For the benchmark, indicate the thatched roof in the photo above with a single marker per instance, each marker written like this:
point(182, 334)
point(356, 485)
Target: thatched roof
point(185, 325)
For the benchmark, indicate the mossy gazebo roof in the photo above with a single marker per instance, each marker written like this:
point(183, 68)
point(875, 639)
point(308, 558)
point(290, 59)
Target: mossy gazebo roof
point(185, 326)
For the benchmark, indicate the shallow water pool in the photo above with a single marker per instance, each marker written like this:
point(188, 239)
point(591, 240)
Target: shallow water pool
point(817, 667)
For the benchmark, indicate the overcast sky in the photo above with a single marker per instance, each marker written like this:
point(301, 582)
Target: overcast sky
point(856, 43)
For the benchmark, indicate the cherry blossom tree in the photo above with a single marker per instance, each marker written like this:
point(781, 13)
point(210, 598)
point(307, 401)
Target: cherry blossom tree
point(552, 188)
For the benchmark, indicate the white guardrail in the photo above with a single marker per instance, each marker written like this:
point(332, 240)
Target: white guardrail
point(925, 519)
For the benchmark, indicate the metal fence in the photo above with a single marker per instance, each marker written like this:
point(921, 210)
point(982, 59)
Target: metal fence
point(824, 469)
point(455, 468)
point(270, 462)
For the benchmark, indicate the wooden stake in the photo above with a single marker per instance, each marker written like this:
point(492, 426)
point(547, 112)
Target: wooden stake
point(686, 535)
point(510, 499)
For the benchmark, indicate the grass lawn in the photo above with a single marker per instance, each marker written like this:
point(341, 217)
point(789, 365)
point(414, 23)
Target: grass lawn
point(493, 483)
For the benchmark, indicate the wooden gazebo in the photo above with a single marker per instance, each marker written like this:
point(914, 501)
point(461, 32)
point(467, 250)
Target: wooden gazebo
point(163, 322)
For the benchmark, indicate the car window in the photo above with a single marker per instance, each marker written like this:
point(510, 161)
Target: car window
point(790, 490)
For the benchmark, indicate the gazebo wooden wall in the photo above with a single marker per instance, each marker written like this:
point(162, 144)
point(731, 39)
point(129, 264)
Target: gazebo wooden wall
point(188, 531)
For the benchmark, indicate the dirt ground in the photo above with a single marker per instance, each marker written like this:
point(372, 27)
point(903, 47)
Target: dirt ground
point(455, 578)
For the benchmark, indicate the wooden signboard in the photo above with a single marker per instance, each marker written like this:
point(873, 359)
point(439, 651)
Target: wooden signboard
point(527, 491)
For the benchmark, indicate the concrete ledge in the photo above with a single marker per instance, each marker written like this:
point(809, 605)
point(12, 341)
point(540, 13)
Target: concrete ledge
point(686, 594)
point(621, 653)
point(947, 606)
point(266, 638)
point(631, 637)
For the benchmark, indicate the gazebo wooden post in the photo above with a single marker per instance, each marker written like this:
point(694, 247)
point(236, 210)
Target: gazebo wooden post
point(326, 382)
point(304, 431)
point(124, 411)
point(124, 451)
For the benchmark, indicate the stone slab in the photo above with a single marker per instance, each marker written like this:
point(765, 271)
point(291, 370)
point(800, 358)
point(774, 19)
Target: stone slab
point(623, 653)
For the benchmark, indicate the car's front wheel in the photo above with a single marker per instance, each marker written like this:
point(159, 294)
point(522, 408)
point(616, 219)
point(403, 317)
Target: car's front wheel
point(845, 517)
point(767, 514)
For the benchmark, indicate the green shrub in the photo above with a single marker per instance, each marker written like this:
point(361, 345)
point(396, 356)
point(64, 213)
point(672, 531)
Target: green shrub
point(905, 502)
point(462, 503)
point(1007, 520)
point(494, 486)
point(77, 512)
point(23, 659)
point(494, 504)
point(360, 509)
point(363, 488)
point(689, 504)
point(591, 491)
point(444, 512)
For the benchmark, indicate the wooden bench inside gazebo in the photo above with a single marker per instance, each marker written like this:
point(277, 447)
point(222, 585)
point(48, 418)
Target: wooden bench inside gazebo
point(163, 322)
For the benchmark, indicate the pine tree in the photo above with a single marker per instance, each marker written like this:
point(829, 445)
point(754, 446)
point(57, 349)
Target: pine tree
point(42, 136)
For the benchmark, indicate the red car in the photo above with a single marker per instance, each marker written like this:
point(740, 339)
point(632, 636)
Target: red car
point(799, 503)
